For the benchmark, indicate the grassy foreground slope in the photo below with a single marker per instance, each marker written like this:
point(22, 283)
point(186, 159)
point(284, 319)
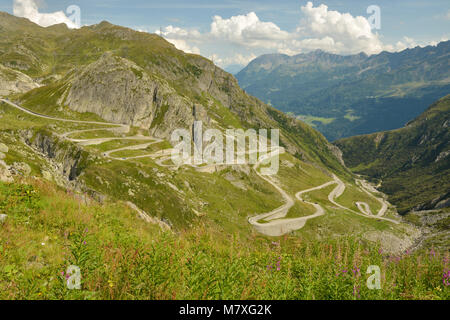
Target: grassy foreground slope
point(120, 257)
point(412, 163)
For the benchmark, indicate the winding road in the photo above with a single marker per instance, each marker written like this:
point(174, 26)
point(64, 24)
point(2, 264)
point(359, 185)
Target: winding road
point(274, 223)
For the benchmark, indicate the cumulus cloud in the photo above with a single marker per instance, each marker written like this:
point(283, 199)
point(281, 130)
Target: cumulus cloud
point(242, 37)
point(182, 45)
point(237, 59)
point(408, 43)
point(403, 44)
point(247, 30)
point(336, 32)
point(172, 32)
point(178, 36)
point(318, 28)
point(29, 9)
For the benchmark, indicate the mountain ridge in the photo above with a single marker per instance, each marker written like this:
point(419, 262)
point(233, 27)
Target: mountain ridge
point(412, 162)
point(347, 95)
point(191, 77)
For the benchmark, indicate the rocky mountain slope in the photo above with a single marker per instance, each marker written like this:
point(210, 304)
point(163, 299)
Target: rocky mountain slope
point(350, 95)
point(13, 81)
point(140, 79)
point(412, 163)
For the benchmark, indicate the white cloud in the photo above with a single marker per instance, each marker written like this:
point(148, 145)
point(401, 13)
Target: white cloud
point(247, 30)
point(448, 15)
point(336, 32)
point(237, 59)
point(241, 38)
point(409, 43)
point(405, 43)
point(182, 45)
point(319, 28)
point(178, 33)
point(30, 10)
point(178, 36)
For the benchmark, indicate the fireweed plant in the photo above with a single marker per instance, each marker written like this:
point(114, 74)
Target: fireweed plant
point(122, 257)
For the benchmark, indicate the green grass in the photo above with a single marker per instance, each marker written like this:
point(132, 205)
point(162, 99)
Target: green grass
point(115, 144)
point(353, 194)
point(122, 257)
point(224, 115)
point(129, 153)
point(312, 119)
point(95, 134)
point(13, 119)
point(404, 160)
point(300, 209)
point(134, 153)
point(349, 116)
point(299, 175)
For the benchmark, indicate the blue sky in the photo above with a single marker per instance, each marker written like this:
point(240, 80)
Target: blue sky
point(244, 29)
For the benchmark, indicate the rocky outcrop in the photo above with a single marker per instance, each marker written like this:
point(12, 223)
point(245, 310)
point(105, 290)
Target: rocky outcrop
point(12, 81)
point(8, 172)
point(144, 216)
point(442, 155)
point(394, 244)
point(120, 91)
point(337, 153)
point(439, 202)
point(5, 173)
point(3, 149)
point(68, 158)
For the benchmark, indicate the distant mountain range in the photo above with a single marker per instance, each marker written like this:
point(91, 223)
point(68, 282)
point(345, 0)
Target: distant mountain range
point(344, 96)
point(234, 68)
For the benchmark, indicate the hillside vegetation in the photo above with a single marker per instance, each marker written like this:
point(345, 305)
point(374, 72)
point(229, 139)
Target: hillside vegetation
point(140, 79)
point(412, 163)
point(87, 180)
point(124, 258)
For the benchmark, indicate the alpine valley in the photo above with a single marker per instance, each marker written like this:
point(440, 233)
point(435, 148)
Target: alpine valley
point(86, 177)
